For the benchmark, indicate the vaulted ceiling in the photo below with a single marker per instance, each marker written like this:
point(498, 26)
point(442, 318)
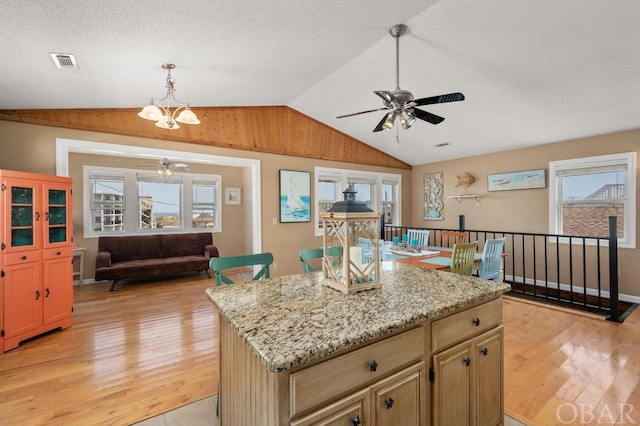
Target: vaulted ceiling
point(532, 72)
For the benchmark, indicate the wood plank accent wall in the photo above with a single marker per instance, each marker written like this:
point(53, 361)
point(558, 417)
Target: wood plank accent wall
point(269, 129)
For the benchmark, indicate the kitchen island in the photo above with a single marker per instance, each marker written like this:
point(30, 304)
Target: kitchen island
point(423, 348)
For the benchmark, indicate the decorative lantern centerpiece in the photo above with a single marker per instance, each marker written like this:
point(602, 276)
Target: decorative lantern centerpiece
point(350, 242)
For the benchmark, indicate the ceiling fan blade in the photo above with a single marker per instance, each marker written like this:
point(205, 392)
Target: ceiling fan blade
point(449, 97)
point(361, 112)
point(385, 95)
point(427, 116)
point(379, 127)
point(180, 166)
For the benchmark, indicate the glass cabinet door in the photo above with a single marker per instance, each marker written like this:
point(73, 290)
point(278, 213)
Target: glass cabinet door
point(56, 216)
point(23, 209)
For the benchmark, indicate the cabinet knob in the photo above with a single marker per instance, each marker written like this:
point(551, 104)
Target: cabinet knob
point(373, 365)
point(389, 402)
point(476, 322)
point(47, 294)
point(46, 215)
point(37, 215)
point(466, 361)
point(24, 257)
point(37, 295)
point(356, 421)
point(58, 253)
point(484, 351)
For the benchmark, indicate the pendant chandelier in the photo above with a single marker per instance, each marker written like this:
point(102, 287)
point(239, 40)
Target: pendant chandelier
point(162, 114)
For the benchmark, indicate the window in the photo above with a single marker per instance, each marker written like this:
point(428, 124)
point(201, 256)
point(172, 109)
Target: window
point(379, 191)
point(130, 201)
point(584, 192)
point(107, 203)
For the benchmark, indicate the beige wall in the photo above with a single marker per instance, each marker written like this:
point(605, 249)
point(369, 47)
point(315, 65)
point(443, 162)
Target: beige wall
point(521, 210)
point(31, 148)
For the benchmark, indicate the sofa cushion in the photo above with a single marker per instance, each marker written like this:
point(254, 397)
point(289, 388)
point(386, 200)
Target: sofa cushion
point(136, 247)
point(176, 245)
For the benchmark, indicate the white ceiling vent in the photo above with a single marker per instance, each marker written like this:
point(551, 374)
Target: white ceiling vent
point(64, 61)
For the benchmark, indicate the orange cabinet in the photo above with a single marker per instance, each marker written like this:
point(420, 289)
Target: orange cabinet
point(36, 253)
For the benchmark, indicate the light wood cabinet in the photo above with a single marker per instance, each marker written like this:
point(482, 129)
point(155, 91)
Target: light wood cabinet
point(468, 376)
point(396, 400)
point(384, 382)
point(36, 271)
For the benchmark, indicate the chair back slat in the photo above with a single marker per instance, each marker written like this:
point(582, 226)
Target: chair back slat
point(462, 258)
point(218, 264)
point(450, 238)
point(491, 259)
point(421, 235)
point(368, 248)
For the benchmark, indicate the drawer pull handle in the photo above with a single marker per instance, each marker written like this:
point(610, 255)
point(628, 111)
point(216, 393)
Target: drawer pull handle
point(476, 322)
point(37, 295)
point(484, 351)
point(373, 365)
point(46, 216)
point(389, 402)
point(466, 361)
point(58, 253)
point(356, 421)
point(37, 216)
point(47, 295)
point(24, 257)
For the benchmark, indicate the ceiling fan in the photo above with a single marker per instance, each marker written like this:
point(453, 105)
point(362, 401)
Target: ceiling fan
point(165, 167)
point(401, 103)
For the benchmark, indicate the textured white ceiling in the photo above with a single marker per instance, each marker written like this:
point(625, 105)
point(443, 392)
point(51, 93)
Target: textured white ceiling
point(532, 72)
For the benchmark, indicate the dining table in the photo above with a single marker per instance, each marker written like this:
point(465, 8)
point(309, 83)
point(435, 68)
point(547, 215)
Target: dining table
point(431, 257)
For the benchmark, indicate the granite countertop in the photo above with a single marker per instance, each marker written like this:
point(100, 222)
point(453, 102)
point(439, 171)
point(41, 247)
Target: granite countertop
point(292, 320)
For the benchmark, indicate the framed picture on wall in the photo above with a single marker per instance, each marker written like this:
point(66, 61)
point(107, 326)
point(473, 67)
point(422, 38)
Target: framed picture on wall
point(232, 195)
point(529, 179)
point(295, 196)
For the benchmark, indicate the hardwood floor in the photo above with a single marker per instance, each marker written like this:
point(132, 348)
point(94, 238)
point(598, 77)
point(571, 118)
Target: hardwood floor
point(131, 354)
point(564, 367)
point(152, 346)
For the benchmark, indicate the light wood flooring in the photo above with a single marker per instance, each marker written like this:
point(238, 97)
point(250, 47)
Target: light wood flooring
point(152, 346)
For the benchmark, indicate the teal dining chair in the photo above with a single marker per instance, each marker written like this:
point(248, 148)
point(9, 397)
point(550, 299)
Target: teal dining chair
point(462, 258)
point(219, 264)
point(318, 253)
point(420, 235)
point(491, 259)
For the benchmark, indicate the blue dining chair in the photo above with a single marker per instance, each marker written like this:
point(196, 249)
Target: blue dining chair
point(491, 259)
point(368, 248)
point(421, 235)
point(318, 253)
point(218, 264)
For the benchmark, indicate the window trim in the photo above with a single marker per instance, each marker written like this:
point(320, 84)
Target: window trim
point(344, 175)
point(131, 196)
point(559, 167)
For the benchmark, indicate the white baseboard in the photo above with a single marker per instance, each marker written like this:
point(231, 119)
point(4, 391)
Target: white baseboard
point(590, 291)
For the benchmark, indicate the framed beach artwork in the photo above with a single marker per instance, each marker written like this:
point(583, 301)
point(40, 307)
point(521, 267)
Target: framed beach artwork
point(295, 196)
point(529, 179)
point(232, 195)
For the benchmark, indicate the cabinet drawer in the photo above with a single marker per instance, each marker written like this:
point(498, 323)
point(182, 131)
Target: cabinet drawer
point(22, 257)
point(465, 324)
point(55, 253)
point(323, 382)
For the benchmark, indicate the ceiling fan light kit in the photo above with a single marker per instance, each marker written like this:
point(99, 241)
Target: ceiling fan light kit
point(400, 103)
point(162, 114)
